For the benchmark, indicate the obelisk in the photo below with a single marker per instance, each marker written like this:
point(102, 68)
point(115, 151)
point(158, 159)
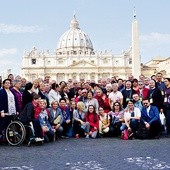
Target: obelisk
point(136, 59)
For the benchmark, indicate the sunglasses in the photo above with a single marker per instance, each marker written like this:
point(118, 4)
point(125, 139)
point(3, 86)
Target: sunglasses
point(116, 105)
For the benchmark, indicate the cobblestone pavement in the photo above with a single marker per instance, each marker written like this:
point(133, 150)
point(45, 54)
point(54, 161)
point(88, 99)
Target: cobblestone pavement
point(87, 154)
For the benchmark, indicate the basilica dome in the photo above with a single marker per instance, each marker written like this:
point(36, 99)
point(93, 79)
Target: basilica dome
point(74, 41)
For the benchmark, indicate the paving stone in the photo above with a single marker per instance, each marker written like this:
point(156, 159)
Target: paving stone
point(82, 154)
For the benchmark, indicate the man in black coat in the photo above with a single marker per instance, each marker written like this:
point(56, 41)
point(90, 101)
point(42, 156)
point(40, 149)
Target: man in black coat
point(27, 116)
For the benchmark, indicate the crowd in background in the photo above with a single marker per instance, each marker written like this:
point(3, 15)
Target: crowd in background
point(86, 108)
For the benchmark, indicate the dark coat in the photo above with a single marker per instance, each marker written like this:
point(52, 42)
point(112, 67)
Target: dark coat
point(27, 115)
point(127, 95)
point(44, 97)
point(4, 101)
point(156, 95)
point(27, 97)
point(72, 93)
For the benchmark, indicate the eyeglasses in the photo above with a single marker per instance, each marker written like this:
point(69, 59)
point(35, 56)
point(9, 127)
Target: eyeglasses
point(145, 103)
point(140, 84)
point(116, 105)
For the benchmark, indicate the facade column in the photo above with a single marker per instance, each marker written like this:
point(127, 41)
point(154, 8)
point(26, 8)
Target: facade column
point(66, 77)
point(69, 76)
point(78, 77)
point(88, 76)
point(96, 77)
point(57, 78)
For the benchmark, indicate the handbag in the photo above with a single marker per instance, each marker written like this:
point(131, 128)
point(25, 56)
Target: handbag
point(125, 134)
point(162, 118)
point(57, 120)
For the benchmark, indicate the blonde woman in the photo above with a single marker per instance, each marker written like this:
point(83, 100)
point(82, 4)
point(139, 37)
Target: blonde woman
point(36, 84)
point(80, 127)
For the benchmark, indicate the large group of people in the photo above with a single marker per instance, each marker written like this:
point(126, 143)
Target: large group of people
point(85, 108)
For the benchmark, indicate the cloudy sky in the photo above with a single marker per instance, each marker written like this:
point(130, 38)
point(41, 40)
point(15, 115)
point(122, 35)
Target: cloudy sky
point(25, 24)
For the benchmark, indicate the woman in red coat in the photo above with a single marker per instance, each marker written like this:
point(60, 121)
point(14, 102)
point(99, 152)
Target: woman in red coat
point(102, 100)
point(93, 119)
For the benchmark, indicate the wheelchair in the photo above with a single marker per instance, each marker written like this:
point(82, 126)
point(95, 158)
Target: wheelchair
point(17, 133)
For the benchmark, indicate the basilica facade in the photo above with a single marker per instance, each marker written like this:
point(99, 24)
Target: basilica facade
point(75, 58)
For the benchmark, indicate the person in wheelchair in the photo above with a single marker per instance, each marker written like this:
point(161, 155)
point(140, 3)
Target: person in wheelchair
point(43, 117)
point(8, 106)
point(27, 117)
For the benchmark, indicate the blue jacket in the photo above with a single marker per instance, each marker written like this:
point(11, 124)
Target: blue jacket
point(65, 114)
point(153, 115)
point(43, 119)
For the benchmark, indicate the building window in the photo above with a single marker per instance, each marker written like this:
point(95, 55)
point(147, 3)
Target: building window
point(60, 62)
point(105, 61)
point(116, 62)
point(48, 62)
point(130, 61)
point(92, 61)
point(74, 52)
point(33, 61)
point(74, 62)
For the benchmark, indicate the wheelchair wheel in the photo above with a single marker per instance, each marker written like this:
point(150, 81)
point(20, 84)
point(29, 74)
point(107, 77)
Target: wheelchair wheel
point(15, 133)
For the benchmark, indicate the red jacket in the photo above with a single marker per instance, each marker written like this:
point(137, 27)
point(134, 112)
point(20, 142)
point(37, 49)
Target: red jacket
point(93, 119)
point(145, 92)
point(103, 102)
point(37, 112)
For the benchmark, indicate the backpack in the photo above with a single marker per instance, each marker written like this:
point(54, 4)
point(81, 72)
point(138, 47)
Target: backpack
point(142, 132)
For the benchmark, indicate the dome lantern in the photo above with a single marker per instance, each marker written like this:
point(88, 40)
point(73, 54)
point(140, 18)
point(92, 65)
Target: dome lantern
point(74, 23)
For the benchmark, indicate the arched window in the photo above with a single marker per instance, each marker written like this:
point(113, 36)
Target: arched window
point(33, 61)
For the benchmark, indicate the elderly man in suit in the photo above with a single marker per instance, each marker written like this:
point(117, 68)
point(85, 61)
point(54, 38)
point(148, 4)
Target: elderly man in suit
point(150, 117)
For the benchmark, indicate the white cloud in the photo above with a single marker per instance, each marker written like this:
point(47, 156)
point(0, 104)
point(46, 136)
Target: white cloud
point(6, 52)
point(155, 37)
point(10, 28)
